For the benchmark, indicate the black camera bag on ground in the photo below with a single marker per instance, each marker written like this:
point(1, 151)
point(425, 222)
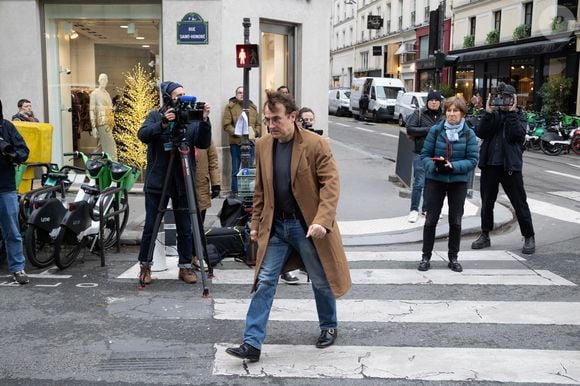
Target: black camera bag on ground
point(229, 241)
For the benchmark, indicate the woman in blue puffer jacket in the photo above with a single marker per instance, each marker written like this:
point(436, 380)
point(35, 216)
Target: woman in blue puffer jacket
point(449, 154)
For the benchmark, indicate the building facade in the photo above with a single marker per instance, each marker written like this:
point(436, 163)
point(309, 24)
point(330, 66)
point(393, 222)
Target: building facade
point(524, 43)
point(56, 59)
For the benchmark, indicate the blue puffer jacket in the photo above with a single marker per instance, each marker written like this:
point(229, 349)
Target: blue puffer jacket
point(464, 153)
point(198, 134)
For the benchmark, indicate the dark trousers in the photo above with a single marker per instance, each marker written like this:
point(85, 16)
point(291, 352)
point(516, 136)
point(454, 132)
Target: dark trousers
point(435, 192)
point(182, 225)
point(513, 186)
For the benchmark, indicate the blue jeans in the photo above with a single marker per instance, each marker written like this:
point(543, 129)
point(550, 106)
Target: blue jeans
point(10, 227)
point(182, 225)
point(418, 184)
point(236, 154)
point(287, 236)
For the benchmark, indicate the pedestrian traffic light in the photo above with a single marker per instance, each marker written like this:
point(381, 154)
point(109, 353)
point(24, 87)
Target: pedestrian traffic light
point(443, 60)
point(247, 56)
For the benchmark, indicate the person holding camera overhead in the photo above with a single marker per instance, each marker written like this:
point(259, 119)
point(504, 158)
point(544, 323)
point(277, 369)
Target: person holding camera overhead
point(159, 131)
point(503, 130)
point(449, 153)
point(13, 150)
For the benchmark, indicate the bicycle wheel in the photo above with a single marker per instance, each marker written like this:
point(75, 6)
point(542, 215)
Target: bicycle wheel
point(66, 248)
point(109, 234)
point(575, 144)
point(550, 149)
point(38, 246)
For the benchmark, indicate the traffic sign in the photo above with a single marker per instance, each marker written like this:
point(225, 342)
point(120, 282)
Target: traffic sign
point(247, 56)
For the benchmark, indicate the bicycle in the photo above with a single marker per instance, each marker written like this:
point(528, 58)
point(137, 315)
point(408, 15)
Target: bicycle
point(42, 212)
point(99, 214)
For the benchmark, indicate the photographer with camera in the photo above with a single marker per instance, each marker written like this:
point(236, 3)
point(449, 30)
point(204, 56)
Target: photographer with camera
point(13, 150)
point(503, 130)
point(162, 131)
point(449, 154)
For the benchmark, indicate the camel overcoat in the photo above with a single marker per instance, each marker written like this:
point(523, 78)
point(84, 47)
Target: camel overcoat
point(316, 188)
point(207, 174)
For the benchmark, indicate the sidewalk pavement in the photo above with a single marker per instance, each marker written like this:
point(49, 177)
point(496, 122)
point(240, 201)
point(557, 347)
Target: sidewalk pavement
point(371, 211)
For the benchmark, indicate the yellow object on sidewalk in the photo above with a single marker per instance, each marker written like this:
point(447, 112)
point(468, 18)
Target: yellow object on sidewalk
point(38, 138)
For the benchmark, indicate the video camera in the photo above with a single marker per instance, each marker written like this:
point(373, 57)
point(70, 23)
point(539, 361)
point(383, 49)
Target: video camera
point(7, 150)
point(187, 110)
point(308, 126)
point(504, 96)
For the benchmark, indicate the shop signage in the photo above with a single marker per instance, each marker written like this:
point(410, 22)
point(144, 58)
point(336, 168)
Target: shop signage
point(192, 30)
point(377, 50)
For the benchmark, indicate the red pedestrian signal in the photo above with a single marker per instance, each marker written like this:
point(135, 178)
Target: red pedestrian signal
point(247, 56)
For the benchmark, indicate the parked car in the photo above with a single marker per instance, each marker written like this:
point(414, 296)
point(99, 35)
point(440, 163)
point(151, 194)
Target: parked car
point(382, 93)
point(407, 103)
point(339, 101)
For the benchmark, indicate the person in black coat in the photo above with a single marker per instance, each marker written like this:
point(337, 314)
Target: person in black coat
point(503, 130)
point(13, 150)
point(157, 132)
point(418, 124)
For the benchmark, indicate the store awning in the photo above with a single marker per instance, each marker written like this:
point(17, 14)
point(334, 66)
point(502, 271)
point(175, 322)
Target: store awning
point(405, 48)
point(525, 49)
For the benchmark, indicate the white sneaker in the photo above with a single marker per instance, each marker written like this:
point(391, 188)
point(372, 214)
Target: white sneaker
point(413, 216)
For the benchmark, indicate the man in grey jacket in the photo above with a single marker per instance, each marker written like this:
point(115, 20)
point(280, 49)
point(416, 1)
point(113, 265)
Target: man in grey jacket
point(418, 125)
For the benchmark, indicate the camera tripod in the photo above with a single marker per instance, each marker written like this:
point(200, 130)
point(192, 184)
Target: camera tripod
point(199, 242)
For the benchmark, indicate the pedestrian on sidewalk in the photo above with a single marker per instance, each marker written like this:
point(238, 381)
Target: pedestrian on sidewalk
point(14, 151)
point(418, 125)
point(157, 131)
point(449, 154)
point(25, 112)
point(232, 113)
point(294, 223)
point(503, 130)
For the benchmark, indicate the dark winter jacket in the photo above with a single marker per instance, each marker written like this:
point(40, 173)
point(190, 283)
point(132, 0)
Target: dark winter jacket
point(418, 124)
point(462, 154)
point(508, 127)
point(23, 117)
point(198, 134)
point(9, 134)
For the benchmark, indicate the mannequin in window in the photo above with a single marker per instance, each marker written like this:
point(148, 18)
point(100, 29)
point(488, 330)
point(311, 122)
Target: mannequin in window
point(101, 113)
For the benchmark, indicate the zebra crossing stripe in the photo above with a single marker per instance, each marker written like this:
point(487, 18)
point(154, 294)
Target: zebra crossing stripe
point(434, 276)
point(417, 363)
point(487, 255)
point(414, 311)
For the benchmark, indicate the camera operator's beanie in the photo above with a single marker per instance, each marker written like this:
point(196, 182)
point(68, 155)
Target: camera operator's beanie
point(167, 88)
point(434, 95)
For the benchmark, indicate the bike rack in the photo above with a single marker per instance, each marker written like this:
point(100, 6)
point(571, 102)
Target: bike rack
point(112, 191)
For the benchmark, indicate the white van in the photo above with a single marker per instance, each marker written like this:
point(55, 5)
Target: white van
point(382, 94)
point(407, 103)
point(339, 101)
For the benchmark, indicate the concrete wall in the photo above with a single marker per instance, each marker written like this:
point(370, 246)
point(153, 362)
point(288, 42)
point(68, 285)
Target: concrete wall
point(21, 64)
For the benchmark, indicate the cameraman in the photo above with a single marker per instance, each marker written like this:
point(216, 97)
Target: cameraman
point(503, 130)
point(13, 149)
point(158, 132)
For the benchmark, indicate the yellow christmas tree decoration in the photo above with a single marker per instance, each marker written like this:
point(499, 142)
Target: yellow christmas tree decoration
point(139, 96)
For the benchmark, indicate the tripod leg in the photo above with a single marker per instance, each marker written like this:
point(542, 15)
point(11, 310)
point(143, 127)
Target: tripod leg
point(198, 241)
point(161, 209)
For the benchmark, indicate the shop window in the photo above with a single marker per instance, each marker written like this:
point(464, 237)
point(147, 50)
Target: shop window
point(528, 9)
point(497, 21)
point(522, 78)
point(464, 81)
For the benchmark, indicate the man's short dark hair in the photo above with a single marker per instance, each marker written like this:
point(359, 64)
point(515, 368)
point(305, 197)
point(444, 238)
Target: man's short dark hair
point(275, 97)
point(282, 87)
point(22, 101)
point(305, 110)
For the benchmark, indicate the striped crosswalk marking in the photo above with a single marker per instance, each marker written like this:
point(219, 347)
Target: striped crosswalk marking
point(517, 364)
point(434, 276)
point(414, 311)
point(410, 363)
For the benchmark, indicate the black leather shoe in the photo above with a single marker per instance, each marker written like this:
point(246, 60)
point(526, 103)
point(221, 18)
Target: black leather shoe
point(529, 245)
point(483, 241)
point(424, 265)
point(454, 265)
point(245, 351)
point(326, 338)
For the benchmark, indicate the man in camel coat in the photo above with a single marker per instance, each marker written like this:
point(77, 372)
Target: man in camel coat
point(294, 223)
